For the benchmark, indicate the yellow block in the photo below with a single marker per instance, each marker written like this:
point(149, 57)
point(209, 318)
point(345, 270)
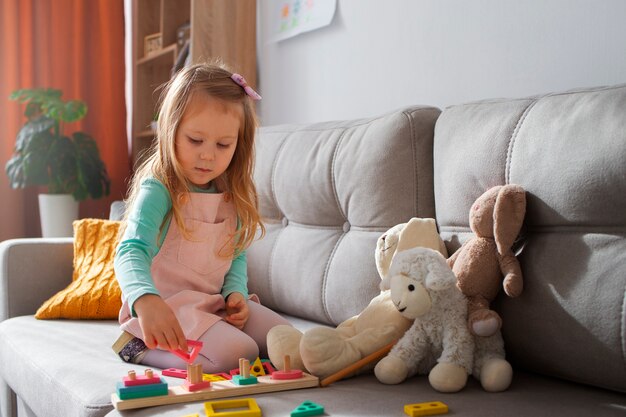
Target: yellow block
point(213, 377)
point(212, 408)
point(257, 368)
point(425, 409)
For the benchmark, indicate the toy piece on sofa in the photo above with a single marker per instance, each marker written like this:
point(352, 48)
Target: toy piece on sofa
point(307, 409)
point(149, 377)
point(194, 381)
point(287, 372)
point(191, 355)
point(257, 368)
point(244, 377)
point(216, 377)
point(251, 408)
point(148, 385)
point(425, 409)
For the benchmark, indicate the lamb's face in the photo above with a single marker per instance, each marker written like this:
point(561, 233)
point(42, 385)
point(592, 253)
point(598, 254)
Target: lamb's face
point(413, 274)
point(409, 296)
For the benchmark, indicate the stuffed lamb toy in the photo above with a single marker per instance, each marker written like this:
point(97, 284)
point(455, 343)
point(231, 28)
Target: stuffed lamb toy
point(423, 287)
point(439, 343)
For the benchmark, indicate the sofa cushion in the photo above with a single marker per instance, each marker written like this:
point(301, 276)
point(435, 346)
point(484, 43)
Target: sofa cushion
point(568, 151)
point(327, 191)
point(61, 367)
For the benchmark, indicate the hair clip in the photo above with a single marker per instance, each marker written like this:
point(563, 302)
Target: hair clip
point(242, 82)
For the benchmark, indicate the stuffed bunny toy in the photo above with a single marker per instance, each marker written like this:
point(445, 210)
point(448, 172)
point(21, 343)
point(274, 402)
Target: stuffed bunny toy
point(323, 350)
point(423, 288)
point(486, 260)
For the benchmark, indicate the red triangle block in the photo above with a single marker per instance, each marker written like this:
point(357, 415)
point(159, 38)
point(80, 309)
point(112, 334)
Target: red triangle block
point(190, 356)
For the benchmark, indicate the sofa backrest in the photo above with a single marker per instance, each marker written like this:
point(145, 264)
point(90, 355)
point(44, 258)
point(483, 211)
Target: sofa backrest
point(327, 191)
point(568, 151)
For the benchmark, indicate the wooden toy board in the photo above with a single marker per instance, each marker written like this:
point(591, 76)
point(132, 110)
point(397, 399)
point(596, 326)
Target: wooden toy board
point(218, 389)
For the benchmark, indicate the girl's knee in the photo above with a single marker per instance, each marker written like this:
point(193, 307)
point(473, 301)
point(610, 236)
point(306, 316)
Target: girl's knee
point(226, 358)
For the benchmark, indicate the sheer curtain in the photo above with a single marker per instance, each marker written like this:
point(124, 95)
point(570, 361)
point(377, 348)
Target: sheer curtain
point(76, 46)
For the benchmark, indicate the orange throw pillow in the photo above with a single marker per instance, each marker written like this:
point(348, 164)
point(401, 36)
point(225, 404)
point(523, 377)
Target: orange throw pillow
point(94, 292)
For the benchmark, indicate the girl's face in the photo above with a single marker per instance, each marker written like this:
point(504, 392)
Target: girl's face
point(206, 138)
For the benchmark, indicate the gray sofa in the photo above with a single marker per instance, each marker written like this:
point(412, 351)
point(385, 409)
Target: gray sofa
point(328, 190)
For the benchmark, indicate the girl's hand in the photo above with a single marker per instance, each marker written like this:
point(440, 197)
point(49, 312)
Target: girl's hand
point(237, 311)
point(158, 323)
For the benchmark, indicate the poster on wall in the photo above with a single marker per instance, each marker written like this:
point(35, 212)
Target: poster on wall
point(293, 17)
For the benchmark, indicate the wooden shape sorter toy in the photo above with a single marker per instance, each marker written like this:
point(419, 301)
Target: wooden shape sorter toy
point(218, 389)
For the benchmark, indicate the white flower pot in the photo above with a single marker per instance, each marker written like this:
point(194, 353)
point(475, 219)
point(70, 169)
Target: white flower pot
point(57, 212)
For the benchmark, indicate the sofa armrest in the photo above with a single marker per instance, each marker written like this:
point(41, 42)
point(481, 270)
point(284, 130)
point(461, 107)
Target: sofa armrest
point(31, 271)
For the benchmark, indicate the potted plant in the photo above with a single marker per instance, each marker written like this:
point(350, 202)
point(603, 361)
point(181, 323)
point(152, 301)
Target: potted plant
point(69, 166)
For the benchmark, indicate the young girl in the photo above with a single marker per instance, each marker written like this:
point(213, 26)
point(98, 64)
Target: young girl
point(192, 211)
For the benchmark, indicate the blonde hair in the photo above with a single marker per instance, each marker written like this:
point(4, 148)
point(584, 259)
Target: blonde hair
point(161, 162)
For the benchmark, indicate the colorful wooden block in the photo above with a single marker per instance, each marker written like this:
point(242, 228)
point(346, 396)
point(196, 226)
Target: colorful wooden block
point(257, 368)
point(196, 386)
point(191, 355)
point(175, 372)
point(425, 409)
point(141, 391)
point(291, 374)
point(252, 409)
point(194, 373)
point(287, 373)
point(268, 366)
point(240, 380)
point(133, 379)
point(308, 408)
point(215, 377)
point(217, 391)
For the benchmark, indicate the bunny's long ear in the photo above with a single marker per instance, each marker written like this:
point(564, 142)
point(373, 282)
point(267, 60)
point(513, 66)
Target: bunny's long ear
point(440, 276)
point(508, 215)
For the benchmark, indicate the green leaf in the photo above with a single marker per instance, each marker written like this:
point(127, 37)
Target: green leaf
point(33, 110)
point(73, 110)
point(92, 172)
point(30, 129)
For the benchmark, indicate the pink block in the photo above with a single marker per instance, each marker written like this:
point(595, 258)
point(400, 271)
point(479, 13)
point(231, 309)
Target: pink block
point(175, 372)
point(224, 375)
point(269, 369)
point(196, 387)
point(282, 375)
point(190, 356)
point(141, 380)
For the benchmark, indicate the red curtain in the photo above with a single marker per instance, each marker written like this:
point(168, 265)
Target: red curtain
point(76, 46)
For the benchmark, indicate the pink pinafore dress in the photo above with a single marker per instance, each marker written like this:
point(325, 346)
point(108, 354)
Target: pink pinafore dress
point(189, 273)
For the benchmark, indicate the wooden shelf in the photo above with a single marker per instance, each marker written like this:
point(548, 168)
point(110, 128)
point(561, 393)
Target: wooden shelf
point(217, 28)
point(168, 50)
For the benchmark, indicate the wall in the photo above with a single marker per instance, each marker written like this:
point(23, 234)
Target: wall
point(378, 55)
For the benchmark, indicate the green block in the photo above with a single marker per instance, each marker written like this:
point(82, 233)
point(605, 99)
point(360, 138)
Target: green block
point(239, 380)
point(308, 408)
point(141, 391)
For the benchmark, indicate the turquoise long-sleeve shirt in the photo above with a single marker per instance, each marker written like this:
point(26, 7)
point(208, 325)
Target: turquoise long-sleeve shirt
point(141, 242)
